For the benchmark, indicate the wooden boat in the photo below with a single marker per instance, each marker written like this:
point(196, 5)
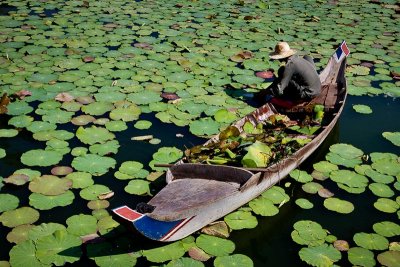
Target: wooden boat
point(198, 194)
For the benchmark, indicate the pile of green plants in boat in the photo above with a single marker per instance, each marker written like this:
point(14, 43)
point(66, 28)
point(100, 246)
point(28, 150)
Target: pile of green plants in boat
point(258, 145)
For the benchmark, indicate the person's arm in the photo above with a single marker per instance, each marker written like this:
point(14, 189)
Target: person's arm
point(284, 79)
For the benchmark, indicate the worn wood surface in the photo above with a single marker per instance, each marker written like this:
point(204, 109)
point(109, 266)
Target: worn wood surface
point(184, 197)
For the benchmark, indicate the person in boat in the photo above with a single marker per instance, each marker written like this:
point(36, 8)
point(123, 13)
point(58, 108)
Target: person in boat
point(297, 80)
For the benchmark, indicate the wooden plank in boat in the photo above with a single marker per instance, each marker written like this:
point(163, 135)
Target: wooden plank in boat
point(182, 198)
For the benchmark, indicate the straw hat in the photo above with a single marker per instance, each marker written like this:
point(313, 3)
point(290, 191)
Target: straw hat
point(282, 50)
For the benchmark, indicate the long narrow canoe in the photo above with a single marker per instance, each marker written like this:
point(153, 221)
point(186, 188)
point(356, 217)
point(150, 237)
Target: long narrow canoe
point(198, 194)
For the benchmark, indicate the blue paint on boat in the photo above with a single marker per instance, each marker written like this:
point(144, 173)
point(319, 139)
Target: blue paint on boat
point(154, 229)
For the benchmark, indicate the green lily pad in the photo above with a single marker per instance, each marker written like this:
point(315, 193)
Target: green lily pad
point(164, 253)
point(379, 177)
point(241, 220)
point(393, 137)
point(107, 148)
point(338, 205)
point(116, 126)
point(20, 121)
point(371, 241)
point(381, 190)
point(142, 125)
point(24, 254)
point(17, 179)
point(50, 185)
point(94, 135)
point(81, 224)
point(215, 245)
point(258, 155)
point(386, 205)
point(18, 108)
point(97, 108)
point(304, 203)
point(80, 179)
point(52, 249)
point(325, 167)
point(389, 258)
point(40, 157)
point(8, 202)
point(339, 160)
point(138, 187)
point(44, 202)
point(349, 178)
point(225, 116)
point(238, 260)
point(185, 262)
point(204, 127)
point(276, 194)
point(93, 164)
point(311, 187)
point(8, 133)
point(300, 176)
point(263, 207)
point(361, 257)
point(129, 113)
point(44, 229)
point(19, 234)
point(308, 233)
point(98, 204)
point(94, 191)
point(23, 215)
point(387, 229)
point(144, 97)
point(322, 255)
point(389, 167)
point(363, 109)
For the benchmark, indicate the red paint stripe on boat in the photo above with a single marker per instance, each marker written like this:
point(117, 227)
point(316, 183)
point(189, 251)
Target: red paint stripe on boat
point(128, 213)
point(175, 229)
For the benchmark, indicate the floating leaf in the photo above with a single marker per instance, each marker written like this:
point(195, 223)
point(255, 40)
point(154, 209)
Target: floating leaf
point(185, 262)
point(17, 179)
point(341, 245)
point(393, 137)
point(129, 113)
point(50, 185)
point(387, 229)
point(40, 157)
point(93, 164)
point(19, 234)
point(389, 258)
point(52, 249)
point(363, 109)
point(311, 187)
point(138, 187)
point(300, 176)
point(349, 178)
point(308, 233)
point(361, 257)
point(371, 241)
point(164, 253)
point(8, 202)
point(322, 255)
point(8, 132)
point(276, 194)
point(81, 224)
point(142, 125)
point(94, 191)
point(386, 205)
point(304, 203)
point(381, 190)
point(80, 179)
point(24, 254)
point(258, 155)
point(338, 205)
point(233, 260)
point(215, 245)
point(263, 207)
point(43, 202)
point(23, 215)
point(44, 229)
point(94, 135)
point(241, 220)
point(389, 167)
point(204, 127)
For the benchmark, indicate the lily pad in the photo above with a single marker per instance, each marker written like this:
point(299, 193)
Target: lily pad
point(93, 164)
point(276, 194)
point(142, 125)
point(215, 245)
point(23, 215)
point(50, 185)
point(204, 127)
point(80, 179)
point(238, 260)
point(300, 176)
point(81, 224)
point(52, 249)
point(24, 254)
point(389, 167)
point(44, 229)
point(40, 157)
point(361, 257)
point(138, 187)
point(386, 205)
point(322, 255)
point(387, 229)
point(393, 137)
point(389, 258)
point(381, 190)
point(304, 203)
point(19, 234)
point(363, 109)
point(94, 191)
point(164, 253)
point(258, 155)
point(371, 241)
point(43, 202)
point(241, 220)
point(338, 205)
point(311, 187)
point(263, 207)
point(94, 135)
point(8, 202)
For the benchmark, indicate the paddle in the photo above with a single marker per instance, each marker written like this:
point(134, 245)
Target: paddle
point(244, 168)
